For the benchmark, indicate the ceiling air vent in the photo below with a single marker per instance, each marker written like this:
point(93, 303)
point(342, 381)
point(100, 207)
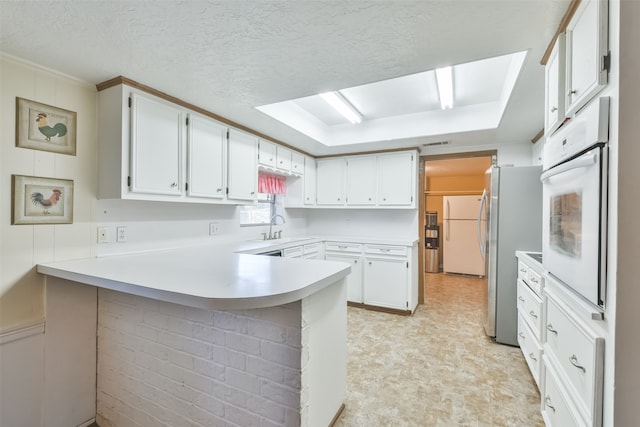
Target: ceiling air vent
point(433, 144)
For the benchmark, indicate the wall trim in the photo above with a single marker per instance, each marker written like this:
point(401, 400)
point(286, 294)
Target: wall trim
point(22, 331)
point(35, 66)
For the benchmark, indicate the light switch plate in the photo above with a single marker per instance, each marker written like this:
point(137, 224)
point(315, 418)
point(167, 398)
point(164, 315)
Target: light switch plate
point(214, 228)
point(103, 234)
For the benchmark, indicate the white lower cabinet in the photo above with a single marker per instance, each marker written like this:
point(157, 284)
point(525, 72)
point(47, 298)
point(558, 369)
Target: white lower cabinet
point(385, 282)
point(531, 333)
point(557, 410)
point(381, 275)
point(577, 353)
point(354, 280)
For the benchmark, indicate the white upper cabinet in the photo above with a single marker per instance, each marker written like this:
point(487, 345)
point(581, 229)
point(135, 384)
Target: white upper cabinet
point(267, 153)
point(361, 180)
point(283, 158)
point(330, 186)
point(297, 163)
point(309, 181)
point(397, 175)
point(242, 174)
point(586, 53)
point(157, 132)
point(554, 90)
point(206, 140)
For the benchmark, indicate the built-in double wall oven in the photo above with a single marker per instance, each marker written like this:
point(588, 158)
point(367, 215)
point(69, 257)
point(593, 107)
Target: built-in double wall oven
point(574, 188)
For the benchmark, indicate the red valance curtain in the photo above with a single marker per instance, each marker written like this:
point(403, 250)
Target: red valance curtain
point(271, 184)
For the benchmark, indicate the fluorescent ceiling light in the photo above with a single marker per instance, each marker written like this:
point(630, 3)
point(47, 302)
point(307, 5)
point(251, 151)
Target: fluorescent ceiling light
point(342, 106)
point(444, 78)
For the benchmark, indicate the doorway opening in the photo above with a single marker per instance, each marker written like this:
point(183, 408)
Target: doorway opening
point(441, 177)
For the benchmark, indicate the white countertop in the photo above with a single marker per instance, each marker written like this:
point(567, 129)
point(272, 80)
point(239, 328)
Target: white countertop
point(204, 276)
point(215, 276)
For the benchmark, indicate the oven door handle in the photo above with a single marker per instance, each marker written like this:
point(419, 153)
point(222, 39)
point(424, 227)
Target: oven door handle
point(586, 160)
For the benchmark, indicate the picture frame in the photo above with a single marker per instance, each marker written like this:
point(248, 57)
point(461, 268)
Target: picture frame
point(44, 127)
point(39, 200)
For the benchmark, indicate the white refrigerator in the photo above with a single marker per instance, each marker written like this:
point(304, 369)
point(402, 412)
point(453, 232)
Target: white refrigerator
point(460, 250)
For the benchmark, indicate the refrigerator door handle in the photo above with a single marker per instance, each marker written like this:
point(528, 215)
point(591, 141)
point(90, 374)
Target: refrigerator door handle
point(447, 219)
point(483, 200)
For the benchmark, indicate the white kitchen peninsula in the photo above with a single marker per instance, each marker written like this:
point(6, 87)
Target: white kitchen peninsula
point(205, 336)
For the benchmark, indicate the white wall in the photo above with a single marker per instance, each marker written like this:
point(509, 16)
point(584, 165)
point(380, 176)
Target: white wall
point(391, 224)
point(151, 225)
point(508, 154)
point(22, 291)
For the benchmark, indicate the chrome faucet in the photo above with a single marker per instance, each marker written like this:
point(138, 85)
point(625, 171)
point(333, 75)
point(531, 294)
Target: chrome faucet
point(271, 235)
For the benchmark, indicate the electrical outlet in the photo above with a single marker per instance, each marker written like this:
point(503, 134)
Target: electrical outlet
point(214, 228)
point(121, 234)
point(103, 235)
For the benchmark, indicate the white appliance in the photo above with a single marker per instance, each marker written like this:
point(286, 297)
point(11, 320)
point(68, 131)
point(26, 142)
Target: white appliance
point(460, 252)
point(513, 206)
point(575, 203)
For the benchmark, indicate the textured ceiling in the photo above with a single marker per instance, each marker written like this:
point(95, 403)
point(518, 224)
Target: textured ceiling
point(231, 56)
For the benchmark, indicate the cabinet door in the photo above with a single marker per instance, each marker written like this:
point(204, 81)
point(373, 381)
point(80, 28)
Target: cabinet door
point(361, 180)
point(309, 181)
point(205, 168)
point(396, 179)
point(297, 163)
point(554, 87)
point(330, 175)
point(157, 130)
point(267, 153)
point(385, 282)
point(354, 280)
point(242, 176)
point(283, 159)
point(586, 49)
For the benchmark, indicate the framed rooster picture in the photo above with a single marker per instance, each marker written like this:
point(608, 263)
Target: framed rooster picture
point(44, 127)
point(37, 200)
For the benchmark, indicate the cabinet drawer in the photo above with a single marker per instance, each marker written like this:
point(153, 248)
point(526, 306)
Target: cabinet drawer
point(523, 271)
point(386, 250)
point(557, 409)
point(530, 306)
point(535, 282)
point(295, 252)
point(343, 247)
point(531, 348)
point(311, 248)
point(579, 354)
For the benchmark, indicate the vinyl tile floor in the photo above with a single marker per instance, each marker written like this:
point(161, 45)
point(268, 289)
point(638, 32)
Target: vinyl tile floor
point(437, 367)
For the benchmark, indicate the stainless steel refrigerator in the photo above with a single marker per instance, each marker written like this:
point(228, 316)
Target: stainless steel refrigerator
point(512, 203)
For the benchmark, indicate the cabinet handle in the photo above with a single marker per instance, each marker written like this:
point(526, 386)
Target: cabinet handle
point(521, 335)
point(574, 361)
point(369, 262)
point(554, 109)
point(174, 184)
point(385, 249)
point(523, 270)
point(550, 329)
point(547, 402)
point(521, 299)
point(355, 261)
point(369, 198)
point(218, 190)
point(338, 198)
point(253, 192)
point(342, 247)
point(533, 357)
point(384, 199)
point(572, 92)
point(532, 314)
point(534, 280)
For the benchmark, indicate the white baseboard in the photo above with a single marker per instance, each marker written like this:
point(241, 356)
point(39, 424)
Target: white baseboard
point(88, 423)
point(21, 332)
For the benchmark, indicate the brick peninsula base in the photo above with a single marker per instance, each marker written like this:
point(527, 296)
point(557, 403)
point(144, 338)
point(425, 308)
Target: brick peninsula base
point(164, 364)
